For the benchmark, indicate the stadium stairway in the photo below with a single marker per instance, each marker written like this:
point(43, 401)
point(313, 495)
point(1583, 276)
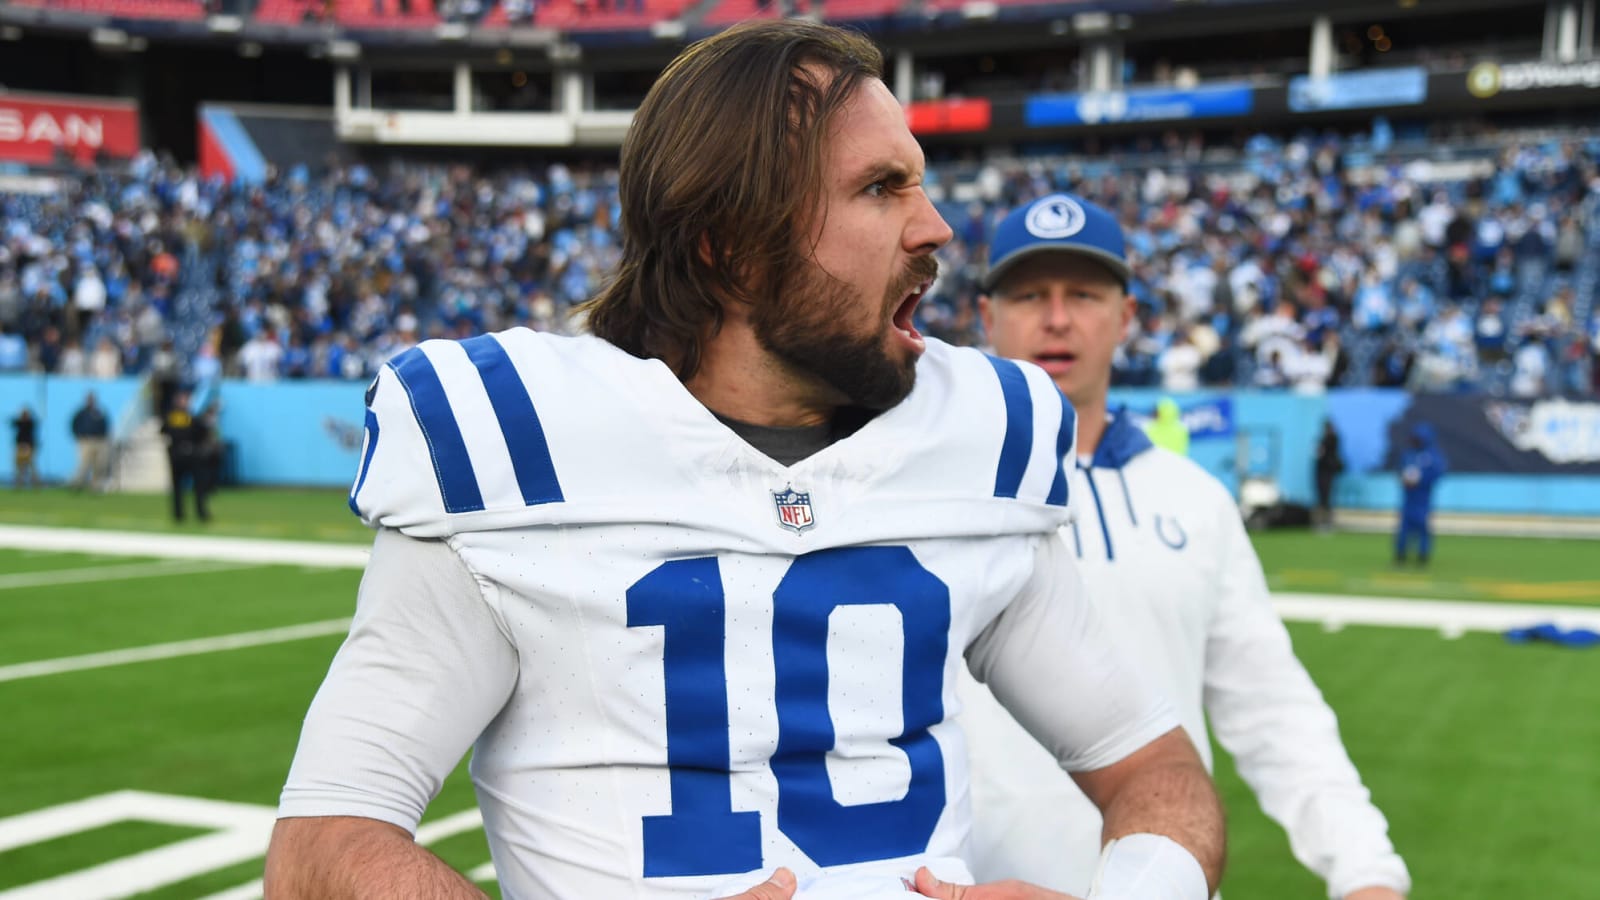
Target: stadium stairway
point(140, 463)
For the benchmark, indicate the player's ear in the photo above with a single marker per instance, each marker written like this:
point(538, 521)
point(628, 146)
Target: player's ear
point(1130, 307)
point(986, 315)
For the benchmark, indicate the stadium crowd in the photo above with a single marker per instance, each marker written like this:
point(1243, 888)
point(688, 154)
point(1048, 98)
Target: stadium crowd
point(1297, 264)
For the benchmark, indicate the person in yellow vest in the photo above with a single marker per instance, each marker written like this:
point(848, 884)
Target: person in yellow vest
point(186, 435)
point(1167, 430)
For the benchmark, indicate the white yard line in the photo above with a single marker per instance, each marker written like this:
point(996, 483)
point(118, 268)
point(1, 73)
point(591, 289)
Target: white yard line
point(185, 546)
point(86, 574)
point(173, 649)
point(449, 826)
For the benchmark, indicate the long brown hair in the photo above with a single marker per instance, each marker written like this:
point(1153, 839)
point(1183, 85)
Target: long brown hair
point(720, 172)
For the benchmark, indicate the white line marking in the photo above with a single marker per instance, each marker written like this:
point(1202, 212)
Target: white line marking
point(449, 826)
point(1403, 612)
point(429, 833)
point(186, 546)
point(173, 649)
point(244, 829)
point(117, 806)
point(52, 577)
point(484, 872)
point(151, 869)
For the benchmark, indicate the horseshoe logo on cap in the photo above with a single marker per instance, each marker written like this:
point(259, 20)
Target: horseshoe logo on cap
point(1056, 216)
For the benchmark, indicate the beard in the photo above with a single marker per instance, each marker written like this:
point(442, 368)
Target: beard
point(807, 326)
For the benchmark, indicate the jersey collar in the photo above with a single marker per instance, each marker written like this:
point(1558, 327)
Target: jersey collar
point(1122, 441)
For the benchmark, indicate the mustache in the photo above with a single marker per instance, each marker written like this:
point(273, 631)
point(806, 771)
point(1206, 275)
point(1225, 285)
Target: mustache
point(921, 269)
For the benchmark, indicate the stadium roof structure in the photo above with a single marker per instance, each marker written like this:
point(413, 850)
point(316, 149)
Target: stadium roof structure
point(420, 23)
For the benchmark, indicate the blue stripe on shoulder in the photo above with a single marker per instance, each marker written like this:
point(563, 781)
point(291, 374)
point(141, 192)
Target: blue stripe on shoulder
point(1018, 443)
point(458, 484)
point(1069, 428)
point(366, 459)
point(519, 421)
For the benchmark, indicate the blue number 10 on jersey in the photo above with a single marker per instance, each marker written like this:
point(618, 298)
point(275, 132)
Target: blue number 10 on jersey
point(704, 835)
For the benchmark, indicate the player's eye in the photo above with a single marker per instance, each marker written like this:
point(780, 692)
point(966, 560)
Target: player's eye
point(879, 188)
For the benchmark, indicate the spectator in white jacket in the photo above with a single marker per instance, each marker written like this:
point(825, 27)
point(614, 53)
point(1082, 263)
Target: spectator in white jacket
point(1161, 541)
point(1180, 363)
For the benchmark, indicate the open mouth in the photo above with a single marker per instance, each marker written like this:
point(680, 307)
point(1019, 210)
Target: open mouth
point(906, 312)
point(1056, 363)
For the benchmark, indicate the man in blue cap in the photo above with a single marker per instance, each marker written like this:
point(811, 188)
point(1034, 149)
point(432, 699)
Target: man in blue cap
point(1162, 548)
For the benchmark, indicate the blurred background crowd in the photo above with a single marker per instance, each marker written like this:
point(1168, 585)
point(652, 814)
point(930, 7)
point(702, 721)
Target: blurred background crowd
point(1287, 263)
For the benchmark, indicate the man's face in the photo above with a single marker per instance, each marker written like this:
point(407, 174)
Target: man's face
point(844, 321)
point(1064, 312)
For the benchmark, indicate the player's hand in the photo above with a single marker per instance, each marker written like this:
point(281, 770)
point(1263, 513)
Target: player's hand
point(780, 886)
point(1375, 893)
point(929, 886)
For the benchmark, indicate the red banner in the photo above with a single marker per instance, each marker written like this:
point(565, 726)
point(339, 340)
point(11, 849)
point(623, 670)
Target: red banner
point(948, 116)
point(41, 129)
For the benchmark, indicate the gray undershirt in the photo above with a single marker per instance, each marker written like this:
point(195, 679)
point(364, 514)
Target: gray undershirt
point(789, 445)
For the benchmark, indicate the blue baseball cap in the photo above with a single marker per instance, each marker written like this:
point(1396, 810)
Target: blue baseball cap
point(1060, 223)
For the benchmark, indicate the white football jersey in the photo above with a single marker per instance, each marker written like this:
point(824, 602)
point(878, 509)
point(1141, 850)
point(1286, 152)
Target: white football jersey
point(723, 664)
point(1165, 557)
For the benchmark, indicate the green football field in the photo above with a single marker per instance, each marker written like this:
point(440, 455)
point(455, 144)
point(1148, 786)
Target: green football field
point(1484, 755)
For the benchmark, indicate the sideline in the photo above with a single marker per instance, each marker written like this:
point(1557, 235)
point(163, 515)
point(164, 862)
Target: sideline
point(1451, 617)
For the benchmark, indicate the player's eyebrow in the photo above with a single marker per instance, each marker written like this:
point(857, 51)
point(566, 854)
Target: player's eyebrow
point(893, 172)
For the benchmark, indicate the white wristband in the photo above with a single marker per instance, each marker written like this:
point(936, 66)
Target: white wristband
point(1148, 867)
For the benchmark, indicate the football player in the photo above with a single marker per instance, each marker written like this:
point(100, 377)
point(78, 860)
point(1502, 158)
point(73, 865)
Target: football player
point(1165, 556)
point(695, 587)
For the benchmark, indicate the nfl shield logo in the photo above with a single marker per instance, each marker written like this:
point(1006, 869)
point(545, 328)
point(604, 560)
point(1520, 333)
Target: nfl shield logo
point(794, 509)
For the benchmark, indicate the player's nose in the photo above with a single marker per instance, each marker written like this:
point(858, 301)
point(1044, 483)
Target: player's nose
point(1057, 312)
point(927, 231)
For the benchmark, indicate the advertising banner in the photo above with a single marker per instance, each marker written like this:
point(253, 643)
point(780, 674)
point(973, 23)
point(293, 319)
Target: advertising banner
point(1205, 419)
point(1359, 90)
point(1477, 433)
point(1139, 105)
point(949, 116)
point(38, 129)
point(1488, 79)
point(1553, 437)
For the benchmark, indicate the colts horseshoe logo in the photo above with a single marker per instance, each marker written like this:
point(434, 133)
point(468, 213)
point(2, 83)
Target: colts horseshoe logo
point(1176, 543)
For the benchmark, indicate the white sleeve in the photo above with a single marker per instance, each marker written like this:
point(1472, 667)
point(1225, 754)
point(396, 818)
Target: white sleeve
point(426, 667)
point(1268, 714)
point(1048, 662)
